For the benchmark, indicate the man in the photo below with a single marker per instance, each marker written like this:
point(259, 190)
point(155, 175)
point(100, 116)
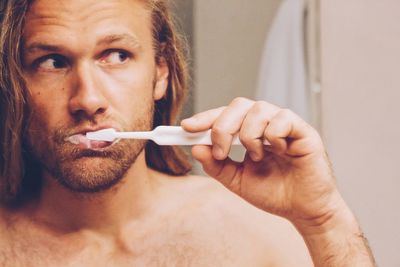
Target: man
point(72, 67)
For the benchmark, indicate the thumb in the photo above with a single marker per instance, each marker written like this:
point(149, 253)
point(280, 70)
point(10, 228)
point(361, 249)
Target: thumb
point(225, 171)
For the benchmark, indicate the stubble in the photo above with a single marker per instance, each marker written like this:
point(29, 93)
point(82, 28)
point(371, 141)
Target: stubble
point(85, 170)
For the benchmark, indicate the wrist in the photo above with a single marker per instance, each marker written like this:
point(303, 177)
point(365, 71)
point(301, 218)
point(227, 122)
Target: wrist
point(336, 239)
point(336, 217)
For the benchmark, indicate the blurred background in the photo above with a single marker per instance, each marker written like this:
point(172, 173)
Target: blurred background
point(335, 62)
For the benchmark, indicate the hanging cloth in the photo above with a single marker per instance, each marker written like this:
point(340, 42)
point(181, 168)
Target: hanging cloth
point(283, 71)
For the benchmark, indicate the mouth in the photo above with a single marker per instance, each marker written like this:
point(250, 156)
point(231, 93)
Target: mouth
point(84, 143)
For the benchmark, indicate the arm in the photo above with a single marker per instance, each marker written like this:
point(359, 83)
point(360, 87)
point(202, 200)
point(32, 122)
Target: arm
point(292, 178)
point(337, 241)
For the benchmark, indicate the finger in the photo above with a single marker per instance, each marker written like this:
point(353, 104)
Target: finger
point(224, 171)
point(228, 124)
point(285, 129)
point(201, 121)
point(253, 127)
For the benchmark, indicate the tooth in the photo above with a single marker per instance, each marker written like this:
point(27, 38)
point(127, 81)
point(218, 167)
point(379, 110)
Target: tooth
point(74, 139)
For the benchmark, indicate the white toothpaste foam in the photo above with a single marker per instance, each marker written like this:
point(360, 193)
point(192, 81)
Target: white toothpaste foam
point(78, 139)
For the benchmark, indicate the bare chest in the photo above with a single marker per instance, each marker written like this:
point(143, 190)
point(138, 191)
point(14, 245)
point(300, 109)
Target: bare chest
point(166, 255)
point(164, 247)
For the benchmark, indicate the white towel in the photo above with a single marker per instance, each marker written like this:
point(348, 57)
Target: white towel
point(283, 73)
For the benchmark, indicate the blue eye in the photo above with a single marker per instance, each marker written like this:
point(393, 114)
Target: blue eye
point(115, 57)
point(51, 62)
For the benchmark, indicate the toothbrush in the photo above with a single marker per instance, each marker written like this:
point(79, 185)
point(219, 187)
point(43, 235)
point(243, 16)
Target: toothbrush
point(161, 135)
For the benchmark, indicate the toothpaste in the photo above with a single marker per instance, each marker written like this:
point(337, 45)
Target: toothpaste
point(83, 142)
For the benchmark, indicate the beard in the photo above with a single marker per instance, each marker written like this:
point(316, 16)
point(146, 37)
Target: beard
point(85, 170)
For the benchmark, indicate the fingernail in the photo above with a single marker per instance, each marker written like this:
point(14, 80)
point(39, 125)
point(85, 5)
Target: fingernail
point(218, 152)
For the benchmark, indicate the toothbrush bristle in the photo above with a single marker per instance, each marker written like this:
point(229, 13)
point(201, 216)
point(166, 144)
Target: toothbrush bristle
point(102, 135)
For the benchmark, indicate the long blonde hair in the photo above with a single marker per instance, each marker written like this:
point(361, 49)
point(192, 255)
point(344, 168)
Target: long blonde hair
point(15, 165)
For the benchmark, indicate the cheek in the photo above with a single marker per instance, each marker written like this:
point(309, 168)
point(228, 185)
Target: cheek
point(41, 117)
point(47, 106)
point(132, 107)
point(132, 86)
point(47, 90)
point(37, 130)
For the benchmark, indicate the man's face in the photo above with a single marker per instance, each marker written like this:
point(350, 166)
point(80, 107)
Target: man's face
point(89, 65)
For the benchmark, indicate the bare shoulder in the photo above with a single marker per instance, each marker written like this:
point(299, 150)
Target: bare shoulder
point(244, 227)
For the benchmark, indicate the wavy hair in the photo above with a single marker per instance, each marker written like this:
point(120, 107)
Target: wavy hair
point(18, 175)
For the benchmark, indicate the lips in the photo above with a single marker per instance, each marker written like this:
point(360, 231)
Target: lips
point(84, 143)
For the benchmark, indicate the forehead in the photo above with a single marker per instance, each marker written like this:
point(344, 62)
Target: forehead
point(86, 20)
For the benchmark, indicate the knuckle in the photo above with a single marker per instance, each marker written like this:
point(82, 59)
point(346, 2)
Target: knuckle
point(219, 109)
point(218, 130)
point(285, 112)
point(260, 106)
point(240, 100)
point(264, 111)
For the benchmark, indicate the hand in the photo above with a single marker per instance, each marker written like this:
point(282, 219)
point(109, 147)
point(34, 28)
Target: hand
point(291, 178)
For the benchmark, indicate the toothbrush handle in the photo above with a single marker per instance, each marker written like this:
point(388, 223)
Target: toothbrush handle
point(236, 141)
point(175, 135)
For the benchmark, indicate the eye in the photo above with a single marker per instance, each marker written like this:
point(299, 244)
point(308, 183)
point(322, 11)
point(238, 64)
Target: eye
point(115, 57)
point(51, 63)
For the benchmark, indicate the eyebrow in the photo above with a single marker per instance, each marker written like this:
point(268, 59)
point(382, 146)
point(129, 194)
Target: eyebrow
point(42, 46)
point(130, 40)
point(127, 39)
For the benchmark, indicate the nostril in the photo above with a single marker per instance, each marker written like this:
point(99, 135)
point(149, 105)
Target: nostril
point(80, 115)
point(100, 111)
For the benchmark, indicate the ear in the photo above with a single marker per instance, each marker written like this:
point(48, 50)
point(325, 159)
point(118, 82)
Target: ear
point(161, 83)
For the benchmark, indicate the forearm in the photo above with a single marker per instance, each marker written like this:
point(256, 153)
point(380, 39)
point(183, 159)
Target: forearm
point(339, 242)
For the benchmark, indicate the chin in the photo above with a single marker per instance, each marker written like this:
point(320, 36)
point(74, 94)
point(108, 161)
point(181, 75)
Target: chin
point(94, 171)
point(91, 175)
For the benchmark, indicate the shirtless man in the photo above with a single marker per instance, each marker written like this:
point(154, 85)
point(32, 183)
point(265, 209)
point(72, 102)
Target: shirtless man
point(72, 67)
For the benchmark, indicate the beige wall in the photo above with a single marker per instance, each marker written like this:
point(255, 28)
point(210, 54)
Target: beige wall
point(361, 91)
point(228, 41)
point(361, 110)
point(229, 36)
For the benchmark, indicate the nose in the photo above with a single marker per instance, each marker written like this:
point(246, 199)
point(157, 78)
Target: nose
point(88, 97)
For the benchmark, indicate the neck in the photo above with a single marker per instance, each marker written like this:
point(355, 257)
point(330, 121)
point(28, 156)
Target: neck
point(106, 211)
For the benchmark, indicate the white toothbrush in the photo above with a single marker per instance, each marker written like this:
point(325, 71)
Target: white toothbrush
point(161, 135)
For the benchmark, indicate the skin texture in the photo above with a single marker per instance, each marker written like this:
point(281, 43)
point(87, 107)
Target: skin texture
point(90, 87)
point(292, 178)
point(295, 163)
point(105, 207)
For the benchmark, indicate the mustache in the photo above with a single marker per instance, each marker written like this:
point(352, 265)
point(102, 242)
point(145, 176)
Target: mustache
point(65, 131)
point(116, 151)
